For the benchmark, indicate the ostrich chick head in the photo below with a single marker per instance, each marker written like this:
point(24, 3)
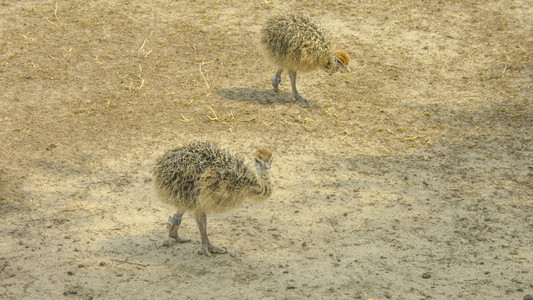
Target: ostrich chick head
point(263, 159)
point(339, 61)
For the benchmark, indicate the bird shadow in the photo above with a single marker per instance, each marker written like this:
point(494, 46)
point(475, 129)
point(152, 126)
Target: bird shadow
point(262, 97)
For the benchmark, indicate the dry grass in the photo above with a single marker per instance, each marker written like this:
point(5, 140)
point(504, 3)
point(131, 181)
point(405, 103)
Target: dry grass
point(416, 162)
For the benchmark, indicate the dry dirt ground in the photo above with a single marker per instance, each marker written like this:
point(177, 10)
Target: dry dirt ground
point(409, 178)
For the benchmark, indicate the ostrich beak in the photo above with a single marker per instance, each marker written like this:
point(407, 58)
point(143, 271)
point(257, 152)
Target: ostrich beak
point(345, 68)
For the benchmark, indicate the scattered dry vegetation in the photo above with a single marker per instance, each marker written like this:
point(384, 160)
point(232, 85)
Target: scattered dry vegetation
point(410, 179)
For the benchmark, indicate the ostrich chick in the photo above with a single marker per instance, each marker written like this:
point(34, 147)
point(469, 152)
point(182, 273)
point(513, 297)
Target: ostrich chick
point(202, 178)
point(295, 43)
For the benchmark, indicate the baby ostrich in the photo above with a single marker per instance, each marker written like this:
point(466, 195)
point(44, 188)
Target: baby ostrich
point(203, 178)
point(295, 43)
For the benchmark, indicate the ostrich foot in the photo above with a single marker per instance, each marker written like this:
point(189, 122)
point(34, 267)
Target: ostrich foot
point(212, 249)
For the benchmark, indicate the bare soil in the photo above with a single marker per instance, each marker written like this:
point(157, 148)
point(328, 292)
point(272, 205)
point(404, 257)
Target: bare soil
point(409, 178)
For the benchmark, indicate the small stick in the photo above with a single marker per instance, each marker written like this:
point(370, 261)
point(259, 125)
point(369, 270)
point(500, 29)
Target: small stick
point(144, 43)
point(414, 137)
point(127, 262)
point(205, 79)
point(201, 73)
point(248, 120)
point(214, 113)
point(185, 119)
point(140, 49)
point(55, 13)
point(140, 76)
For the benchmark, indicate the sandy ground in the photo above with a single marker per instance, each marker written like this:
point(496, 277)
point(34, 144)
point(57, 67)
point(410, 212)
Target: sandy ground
point(409, 178)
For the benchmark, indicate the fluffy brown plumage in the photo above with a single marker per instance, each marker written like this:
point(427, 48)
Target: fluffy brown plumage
point(203, 178)
point(296, 43)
